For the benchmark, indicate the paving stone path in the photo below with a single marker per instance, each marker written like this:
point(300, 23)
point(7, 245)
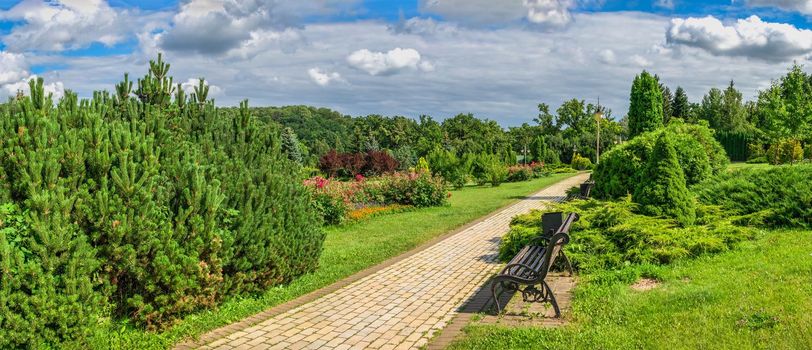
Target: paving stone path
point(402, 305)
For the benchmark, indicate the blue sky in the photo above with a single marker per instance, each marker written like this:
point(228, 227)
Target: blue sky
point(494, 58)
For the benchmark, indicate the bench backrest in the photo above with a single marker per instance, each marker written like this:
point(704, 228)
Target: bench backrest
point(559, 239)
point(551, 222)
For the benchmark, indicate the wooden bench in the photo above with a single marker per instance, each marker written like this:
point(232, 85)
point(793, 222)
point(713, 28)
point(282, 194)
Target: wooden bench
point(586, 189)
point(531, 265)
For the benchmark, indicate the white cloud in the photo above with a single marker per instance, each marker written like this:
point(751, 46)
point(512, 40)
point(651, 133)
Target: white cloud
point(749, 37)
point(487, 12)
point(640, 61)
point(554, 13)
point(499, 72)
point(387, 63)
point(323, 78)
point(56, 89)
point(217, 26)
point(71, 24)
point(286, 41)
point(607, 56)
point(13, 67)
point(802, 6)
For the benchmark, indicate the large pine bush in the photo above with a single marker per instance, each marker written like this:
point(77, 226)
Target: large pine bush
point(148, 202)
point(663, 191)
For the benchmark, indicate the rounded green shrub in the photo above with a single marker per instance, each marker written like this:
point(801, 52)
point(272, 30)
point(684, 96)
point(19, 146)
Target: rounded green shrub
point(580, 163)
point(621, 168)
point(663, 191)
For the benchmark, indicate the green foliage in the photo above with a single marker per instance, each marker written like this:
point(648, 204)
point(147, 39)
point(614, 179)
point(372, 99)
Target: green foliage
point(422, 165)
point(488, 168)
point(757, 160)
point(406, 157)
point(785, 151)
point(681, 107)
point(781, 195)
point(580, 163)
point(449, 166)
point(621, 169)
point(724, 110)
point(645, 105)
point(291, 146)
point(737, 145)
point(611, 235)
point(564, 170)
point(48, 289)
point(183, 205)
point(785, 109)
point(664, 193)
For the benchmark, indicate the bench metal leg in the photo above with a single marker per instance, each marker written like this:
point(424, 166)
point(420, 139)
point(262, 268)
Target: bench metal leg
point(566, 261)
point(496, 297)
point(552, 298)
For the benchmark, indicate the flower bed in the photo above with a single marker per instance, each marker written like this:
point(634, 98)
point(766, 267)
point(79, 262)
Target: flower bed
point(336, 200)
point(526, 172)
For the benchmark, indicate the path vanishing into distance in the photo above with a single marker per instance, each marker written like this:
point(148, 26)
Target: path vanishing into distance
point(398, 306)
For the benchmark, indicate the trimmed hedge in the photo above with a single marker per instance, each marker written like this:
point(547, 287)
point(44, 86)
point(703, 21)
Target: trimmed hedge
point(621, 168)
point(781, 195)
point(148, 203)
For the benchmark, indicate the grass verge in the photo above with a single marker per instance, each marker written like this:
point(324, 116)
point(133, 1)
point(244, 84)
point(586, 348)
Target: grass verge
point(347, 250)
point(758, 296)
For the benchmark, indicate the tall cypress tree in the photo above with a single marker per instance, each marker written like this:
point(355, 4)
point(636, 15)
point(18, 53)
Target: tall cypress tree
point(645, 105)
point(668, 103)
point(663, 191)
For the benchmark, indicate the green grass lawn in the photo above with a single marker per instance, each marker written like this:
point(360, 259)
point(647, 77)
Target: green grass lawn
point(742, 165)
point(758, 296)
point(347, 249)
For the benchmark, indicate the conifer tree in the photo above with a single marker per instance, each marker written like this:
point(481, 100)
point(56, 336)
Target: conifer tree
point(662, 190)
point(681, 108)
point(291, 146)
point(645, 105)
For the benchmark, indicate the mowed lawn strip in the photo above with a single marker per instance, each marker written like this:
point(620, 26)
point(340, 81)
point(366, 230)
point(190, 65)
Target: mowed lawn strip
point(348, 249)
point(758, 296)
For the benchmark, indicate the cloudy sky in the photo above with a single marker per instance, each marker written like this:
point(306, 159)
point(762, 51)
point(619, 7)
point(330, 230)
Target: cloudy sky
point(494, 58)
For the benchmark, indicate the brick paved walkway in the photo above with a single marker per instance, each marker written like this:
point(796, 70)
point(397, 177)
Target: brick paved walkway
point(399, 306)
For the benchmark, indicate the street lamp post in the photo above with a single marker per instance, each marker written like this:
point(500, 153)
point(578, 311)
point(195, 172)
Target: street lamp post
point(598, 116)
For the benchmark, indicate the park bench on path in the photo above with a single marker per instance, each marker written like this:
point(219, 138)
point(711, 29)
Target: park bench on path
point(531, 265)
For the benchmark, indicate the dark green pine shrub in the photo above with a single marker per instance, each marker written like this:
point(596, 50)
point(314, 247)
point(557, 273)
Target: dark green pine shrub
point(621, 168)
point(780, 196)
point(613, 234)
point(662, 191)
point(147, 203)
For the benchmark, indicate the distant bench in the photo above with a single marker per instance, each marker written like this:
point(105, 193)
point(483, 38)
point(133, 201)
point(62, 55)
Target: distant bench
point(530, 266)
